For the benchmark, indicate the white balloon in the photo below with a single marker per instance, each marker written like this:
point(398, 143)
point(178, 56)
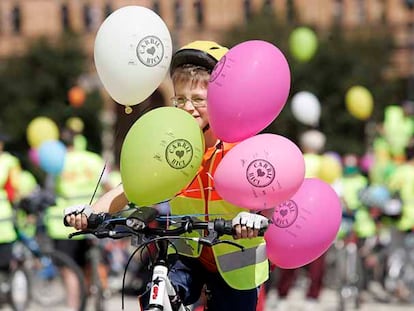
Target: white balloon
point(132, 54)
point(306, 108)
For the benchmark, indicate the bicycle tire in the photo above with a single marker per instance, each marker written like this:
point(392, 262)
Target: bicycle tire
point(97, 294)
point(48, 287)
point(350, 277)
point(19, 295)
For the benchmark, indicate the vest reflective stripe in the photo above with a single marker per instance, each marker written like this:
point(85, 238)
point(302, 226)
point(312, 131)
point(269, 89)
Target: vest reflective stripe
point(240, 269)
point(246, 278)
point(240, 259)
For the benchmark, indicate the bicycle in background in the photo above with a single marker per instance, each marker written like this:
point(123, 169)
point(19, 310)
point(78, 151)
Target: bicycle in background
point(36, 272)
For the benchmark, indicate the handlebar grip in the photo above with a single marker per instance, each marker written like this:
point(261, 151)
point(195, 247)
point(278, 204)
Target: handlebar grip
point(65, 222)
point(94, 220)
point(226, 227)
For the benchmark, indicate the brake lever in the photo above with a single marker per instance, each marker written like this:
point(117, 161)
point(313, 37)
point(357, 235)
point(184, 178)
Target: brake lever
point(213, 239)
point(82, 232)
point(230, 243)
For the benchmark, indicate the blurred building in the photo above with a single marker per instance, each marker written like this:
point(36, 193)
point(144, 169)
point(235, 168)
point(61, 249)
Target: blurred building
point(24, 20)
point(21, 20)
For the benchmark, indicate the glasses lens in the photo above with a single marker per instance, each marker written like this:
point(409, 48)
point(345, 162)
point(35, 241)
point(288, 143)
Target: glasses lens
point(179, 101)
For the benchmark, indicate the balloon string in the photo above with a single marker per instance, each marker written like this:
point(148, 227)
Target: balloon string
point(97, 184)
point(211, 177)
point(198, 190)
point(117, 132)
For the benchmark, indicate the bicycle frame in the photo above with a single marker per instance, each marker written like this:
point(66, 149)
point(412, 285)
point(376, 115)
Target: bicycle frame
point(161, 288)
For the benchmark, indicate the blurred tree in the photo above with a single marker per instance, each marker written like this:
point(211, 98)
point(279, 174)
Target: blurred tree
point(37, 84)
point(344, 58)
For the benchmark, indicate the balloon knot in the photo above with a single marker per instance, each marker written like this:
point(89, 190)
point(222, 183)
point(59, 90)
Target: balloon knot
point(128, 110)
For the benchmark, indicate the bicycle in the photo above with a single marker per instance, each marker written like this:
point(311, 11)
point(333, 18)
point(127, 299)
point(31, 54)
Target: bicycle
point(162, 294)
point(399, 267)
point(36, 262)
point(348, 267)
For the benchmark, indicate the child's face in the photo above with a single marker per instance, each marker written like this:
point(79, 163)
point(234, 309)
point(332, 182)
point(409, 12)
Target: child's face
point(196, 92)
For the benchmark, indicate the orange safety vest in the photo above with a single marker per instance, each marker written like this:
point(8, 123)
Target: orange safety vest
point(240, 269)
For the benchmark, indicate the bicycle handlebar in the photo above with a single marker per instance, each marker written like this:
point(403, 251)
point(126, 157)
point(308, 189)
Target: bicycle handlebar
point(140, 222)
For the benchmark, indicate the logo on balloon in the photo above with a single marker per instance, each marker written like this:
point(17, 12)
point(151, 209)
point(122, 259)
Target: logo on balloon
point(217, 69)
point(150, 51)
point(260, 173)
point(285, 214)
point(179, 153)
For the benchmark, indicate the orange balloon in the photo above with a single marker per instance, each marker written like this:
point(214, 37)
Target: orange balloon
point(76, 96)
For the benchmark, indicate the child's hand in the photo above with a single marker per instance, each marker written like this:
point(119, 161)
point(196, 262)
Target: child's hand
point(77, 216)
point(247, 225)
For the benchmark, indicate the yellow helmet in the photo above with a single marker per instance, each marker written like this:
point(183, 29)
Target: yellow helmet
point(200, 53)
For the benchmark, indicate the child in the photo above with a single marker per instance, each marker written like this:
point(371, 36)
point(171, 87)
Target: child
point(232, 277)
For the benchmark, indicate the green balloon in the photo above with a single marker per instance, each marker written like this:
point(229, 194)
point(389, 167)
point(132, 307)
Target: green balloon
point(160, 155)
point(303, 43)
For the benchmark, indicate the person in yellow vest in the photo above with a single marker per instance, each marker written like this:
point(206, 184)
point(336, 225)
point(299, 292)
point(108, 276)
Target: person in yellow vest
point(74, 185)
point(9, 180)
point(26, 218)
point(402, 182)
point(232, 278)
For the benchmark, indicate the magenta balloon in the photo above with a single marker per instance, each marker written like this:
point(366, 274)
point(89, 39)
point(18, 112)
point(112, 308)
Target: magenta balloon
point(304, 226)
point(34, 156)
point(366, 162)
point(248, 89)
point(260, 172)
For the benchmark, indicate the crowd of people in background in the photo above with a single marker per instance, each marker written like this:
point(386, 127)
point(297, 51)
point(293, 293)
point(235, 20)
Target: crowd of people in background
point(377, 193)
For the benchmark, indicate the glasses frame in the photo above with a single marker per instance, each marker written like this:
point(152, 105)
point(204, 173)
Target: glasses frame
point(175, 101)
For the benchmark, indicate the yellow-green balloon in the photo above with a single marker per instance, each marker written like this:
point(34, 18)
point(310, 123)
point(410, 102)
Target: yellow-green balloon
point(41, 129)
point(303, 43)
point(330, 169)
point(160, 155)
point(359, 102)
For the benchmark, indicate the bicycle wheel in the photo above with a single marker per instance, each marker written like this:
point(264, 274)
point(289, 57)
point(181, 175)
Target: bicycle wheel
point(49, 280)
point(19, 291)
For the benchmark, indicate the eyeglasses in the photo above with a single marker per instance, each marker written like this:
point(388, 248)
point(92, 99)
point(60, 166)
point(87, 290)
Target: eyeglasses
point(180, 101)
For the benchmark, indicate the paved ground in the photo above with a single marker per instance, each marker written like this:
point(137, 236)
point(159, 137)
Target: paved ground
point(295, 302)
point(328, 302)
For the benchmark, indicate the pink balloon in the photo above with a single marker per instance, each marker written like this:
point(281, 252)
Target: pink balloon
point(247, 90)
point(34, 156)
point(304, 226)
point(260, 172)
point(366, 162)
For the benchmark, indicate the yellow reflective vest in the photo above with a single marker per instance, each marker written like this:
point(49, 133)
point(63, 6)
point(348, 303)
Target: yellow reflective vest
point(9, 171)
point(75, 185)
point(241, 270)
